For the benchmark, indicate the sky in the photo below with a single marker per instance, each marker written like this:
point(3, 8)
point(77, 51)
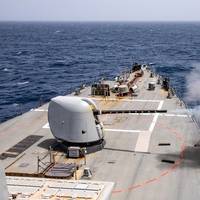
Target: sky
point(99, 10)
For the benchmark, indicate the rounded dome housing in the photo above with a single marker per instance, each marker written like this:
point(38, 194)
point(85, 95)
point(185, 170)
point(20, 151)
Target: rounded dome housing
point(71, 119)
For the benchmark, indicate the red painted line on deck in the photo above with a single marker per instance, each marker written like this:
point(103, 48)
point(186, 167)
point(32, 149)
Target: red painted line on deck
point(117, 191)
point(165, 173)
point(134, 187)
point(151, 180)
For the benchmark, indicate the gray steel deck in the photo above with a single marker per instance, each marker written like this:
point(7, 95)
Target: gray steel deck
point(132, 157)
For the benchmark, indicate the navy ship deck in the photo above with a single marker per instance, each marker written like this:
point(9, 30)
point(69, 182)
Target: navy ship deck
point(148, 156)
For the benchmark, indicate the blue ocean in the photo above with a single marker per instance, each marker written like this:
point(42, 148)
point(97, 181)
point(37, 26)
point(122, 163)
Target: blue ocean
point(41, 60)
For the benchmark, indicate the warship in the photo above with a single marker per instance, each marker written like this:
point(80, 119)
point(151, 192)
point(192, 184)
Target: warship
point(120, 139)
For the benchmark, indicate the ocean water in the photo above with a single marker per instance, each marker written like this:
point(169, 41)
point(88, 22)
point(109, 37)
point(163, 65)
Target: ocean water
point(41, 60)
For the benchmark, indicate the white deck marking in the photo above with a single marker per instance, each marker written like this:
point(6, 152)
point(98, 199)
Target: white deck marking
point(128, 100)
point(175, 115)
point(39, 110)
point(143, 140)
point(46, 125)
point(160, 114)
point(153, 123)
point(123, 130)
point(143, 132)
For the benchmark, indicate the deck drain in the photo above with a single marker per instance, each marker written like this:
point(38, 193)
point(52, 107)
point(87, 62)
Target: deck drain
point(164, 144)
point(168, 161)
point(112, 162)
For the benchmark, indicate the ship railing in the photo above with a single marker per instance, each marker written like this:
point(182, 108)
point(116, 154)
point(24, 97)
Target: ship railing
point(45, 162)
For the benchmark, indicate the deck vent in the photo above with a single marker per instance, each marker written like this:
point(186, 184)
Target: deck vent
point(164, 144)
point(112, 162)
point(168, 161)
point(20, 147)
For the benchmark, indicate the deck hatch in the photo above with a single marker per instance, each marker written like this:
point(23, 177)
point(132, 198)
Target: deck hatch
point(61, 170)
point(20, 147)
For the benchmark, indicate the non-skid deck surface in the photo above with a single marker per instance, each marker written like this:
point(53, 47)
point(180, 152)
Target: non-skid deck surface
point(148, 156)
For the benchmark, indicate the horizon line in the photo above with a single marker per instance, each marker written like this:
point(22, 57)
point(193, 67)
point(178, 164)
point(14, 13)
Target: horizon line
point(104, 21)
